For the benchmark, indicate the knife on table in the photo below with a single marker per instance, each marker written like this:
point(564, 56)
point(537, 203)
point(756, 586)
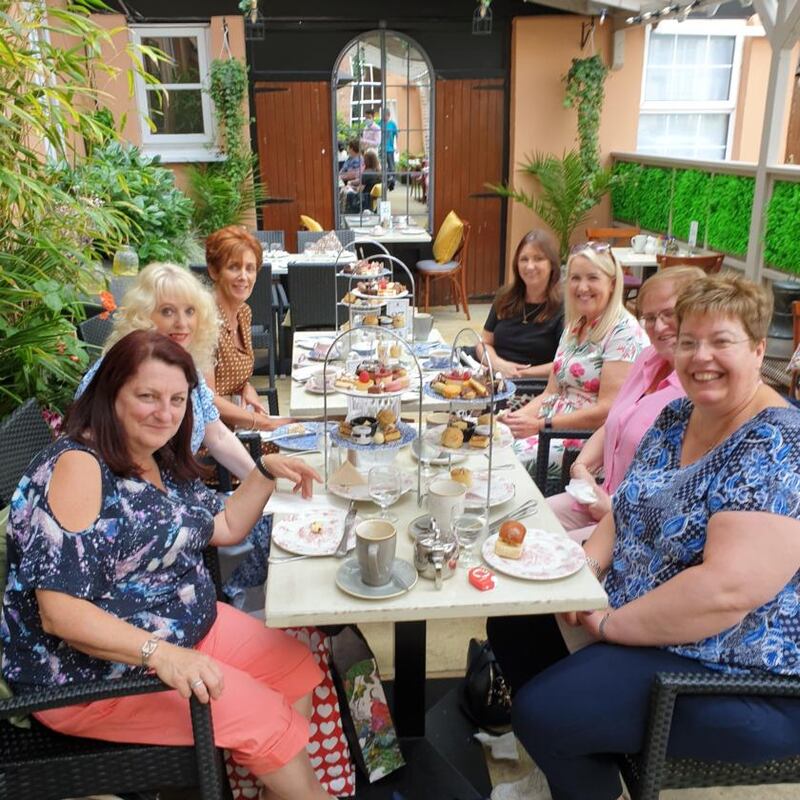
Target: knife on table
point(349, 521)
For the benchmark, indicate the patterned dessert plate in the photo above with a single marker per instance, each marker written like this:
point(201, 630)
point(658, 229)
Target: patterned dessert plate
point(546, 556)
point(361, 491)
point(312, 533)
point(502, 490)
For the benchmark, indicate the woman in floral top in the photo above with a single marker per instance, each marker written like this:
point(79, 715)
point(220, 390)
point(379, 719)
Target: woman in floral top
point(106, 577)
point(601, 340)
point(700, 560)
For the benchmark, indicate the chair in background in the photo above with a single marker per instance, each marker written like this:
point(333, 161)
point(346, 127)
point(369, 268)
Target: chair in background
point(94, 332)
point(710, 263)
point(311, 291)
point(344, 235)
point(119, 284)
point(37, 763)
point(454, 270)
point(309, 223)
point(550, 486)
point(270, 237)
point(620, 237)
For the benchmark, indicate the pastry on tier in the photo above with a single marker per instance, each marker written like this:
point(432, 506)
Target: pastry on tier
point(363, 267)
point(372, 430)
point(465, 385)
point(360, 302)
point(381, 288)
point(372, 377)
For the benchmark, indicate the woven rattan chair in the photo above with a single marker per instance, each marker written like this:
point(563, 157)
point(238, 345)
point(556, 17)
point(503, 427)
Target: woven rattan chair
point(311, 291)
point(344, 235)
point(269, 237)
point(647, 773)
point(22, 435)
point(93, 332)
point(550, 486)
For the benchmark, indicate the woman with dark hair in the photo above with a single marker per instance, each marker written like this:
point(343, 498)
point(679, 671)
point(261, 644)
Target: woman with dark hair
point(106, 576)
point(523, 328)
point(233, 258)
point(360, 197)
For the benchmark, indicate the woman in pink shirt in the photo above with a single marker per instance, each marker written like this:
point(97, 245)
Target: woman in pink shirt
point(651, 384)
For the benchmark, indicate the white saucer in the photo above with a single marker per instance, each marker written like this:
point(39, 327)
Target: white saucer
point(348, 579)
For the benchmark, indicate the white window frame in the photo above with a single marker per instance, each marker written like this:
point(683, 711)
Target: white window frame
point(372, 84)
point(736, 28)
point(178, 147)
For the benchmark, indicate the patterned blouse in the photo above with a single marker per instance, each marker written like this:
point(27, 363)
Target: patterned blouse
point(662, 511)
point(204, 412)
point(141, 561)
point(234, 366)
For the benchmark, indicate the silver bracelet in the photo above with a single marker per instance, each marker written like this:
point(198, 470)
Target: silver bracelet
point(594, 566)
point(601, 628)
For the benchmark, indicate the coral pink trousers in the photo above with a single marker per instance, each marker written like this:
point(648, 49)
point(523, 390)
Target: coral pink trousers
point(264, 670)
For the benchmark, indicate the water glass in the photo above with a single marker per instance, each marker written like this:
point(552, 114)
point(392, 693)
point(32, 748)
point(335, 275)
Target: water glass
point(468, 529)
point(274, 247)
point(384, 489)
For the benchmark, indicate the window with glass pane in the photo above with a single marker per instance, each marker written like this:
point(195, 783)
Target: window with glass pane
point(688, 95)
point(175, 102)
point(386, 73)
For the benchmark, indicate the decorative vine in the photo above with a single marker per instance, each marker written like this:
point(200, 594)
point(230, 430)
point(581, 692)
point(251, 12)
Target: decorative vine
point(227, 88)
point(585, 91)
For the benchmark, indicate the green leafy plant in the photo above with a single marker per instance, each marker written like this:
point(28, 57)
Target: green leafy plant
point(565, 193)
point(224, 192)
point(346, 131)
point(139, 189)
point(50, 236)
point(585, 91)
point(782, 246)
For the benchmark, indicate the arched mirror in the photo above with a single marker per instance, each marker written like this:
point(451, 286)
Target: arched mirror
point(383, 105)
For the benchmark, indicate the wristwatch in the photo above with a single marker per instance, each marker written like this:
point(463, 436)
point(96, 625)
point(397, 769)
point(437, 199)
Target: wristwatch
point(148, 648)
point(548, 424)
point(263, 470)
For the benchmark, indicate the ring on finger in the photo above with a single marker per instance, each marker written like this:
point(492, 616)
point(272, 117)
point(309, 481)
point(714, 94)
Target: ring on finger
point(197, 683)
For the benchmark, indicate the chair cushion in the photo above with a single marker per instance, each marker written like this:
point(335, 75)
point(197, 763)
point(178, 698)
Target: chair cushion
point(631, 281)
point(310, 224)
point(429, 265)
point(448, 239)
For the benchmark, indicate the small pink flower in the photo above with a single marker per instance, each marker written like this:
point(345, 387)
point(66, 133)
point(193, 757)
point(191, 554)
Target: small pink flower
point(556, 365)
point(576, 370)
point(592, 385)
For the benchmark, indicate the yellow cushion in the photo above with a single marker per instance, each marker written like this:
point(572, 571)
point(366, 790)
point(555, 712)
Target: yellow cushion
point(310, 224)
point(448, 239)
point(376, 190)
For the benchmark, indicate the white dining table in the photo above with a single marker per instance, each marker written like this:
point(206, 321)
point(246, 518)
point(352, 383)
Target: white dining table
point(281, 262)
point(638, 261)
point(366, 226)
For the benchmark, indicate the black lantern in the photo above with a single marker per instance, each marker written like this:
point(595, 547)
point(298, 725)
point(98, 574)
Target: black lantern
point(482, 18)
point(255, 28)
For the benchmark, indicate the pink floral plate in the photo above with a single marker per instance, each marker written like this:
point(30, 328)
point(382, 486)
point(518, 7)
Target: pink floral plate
point(297, 533)
point(502, 490)
point(546, 556)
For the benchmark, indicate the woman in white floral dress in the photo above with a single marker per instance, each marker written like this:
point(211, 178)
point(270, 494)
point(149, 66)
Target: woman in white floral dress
point(601, 340)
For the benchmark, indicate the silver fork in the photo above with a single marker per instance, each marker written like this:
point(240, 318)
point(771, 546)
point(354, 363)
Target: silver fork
point(525, 509)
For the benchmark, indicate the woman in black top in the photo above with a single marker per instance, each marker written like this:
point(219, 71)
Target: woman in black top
point(522, 330)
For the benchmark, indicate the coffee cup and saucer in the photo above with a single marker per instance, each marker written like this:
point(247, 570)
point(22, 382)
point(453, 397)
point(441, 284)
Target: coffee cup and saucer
point(375, 573)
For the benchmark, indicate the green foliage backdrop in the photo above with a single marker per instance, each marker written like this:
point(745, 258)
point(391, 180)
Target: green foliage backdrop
point(782, 248)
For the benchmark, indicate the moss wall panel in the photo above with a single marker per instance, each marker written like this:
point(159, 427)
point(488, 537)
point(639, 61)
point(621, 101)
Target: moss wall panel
point(782, 246)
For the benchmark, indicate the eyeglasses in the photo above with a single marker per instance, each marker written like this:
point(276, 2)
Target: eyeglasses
point(598, 247)
point(719, 344)
point(666, 316)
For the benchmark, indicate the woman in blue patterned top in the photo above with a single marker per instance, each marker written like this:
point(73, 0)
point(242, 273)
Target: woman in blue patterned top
point(106, 576)
point(700, 560)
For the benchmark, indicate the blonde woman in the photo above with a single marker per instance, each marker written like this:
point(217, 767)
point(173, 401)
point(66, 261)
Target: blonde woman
point(169, 299)
point(601, 340)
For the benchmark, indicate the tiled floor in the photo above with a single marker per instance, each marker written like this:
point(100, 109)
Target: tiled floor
point(447, 658)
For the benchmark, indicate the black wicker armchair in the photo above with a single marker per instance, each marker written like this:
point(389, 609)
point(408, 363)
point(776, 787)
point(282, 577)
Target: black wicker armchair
point(93, 332)
point(550, 486)
point(652, 770)
point(39, 764)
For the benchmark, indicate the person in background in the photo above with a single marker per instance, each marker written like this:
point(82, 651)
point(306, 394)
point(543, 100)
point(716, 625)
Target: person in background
point(106, 577)
point(360, 197)
point(700, 559)
point(389, 140)
point(601, 340)
point(353, 165)
point(233, 257)
point(651, 384)
point(526, 320)
point(371, 135)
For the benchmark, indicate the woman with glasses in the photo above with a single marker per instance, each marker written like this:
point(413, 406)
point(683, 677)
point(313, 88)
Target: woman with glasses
point(601, 340)
point(651, 384)
point(700, 558)
point(523, 328)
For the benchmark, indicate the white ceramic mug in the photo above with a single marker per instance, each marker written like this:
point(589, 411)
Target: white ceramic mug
point(638, 243)
point(446, 501)
point(423, 324)
point(650, 245)
point(376, 542)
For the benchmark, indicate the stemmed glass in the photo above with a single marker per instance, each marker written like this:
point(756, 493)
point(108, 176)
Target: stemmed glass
point(384, 489)
point(468, 529)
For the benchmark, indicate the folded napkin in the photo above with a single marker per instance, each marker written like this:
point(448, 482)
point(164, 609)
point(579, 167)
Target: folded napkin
point(347, 475)
point(288, 503)
point(303, 373)
point(580, 490)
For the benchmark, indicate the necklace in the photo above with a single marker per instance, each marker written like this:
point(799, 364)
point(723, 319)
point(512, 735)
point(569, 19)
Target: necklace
point(532, 312)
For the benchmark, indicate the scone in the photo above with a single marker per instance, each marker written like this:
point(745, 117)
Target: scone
point(510, 539)
point(479, 441)
point(452, 437)
point(386, 417)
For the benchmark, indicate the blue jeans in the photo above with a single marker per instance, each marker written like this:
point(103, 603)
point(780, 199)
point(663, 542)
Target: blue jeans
point(575, 715)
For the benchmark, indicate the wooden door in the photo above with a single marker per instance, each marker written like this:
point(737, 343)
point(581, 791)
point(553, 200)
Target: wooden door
point(793, 133)
point(293, 126)
point(470, 136)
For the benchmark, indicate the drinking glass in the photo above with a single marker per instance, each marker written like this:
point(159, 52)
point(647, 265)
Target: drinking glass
point(468, 529)
point(384, 489)
point(274, 247)
point(427, 452)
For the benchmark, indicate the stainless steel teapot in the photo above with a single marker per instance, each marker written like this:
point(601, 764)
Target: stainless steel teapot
point(436, 553)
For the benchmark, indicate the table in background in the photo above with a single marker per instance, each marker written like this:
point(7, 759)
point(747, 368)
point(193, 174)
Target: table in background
point(307, 404)
point(643, 263)
point(305, 593)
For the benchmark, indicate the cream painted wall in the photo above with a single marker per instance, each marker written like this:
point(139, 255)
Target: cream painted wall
point(542, 52)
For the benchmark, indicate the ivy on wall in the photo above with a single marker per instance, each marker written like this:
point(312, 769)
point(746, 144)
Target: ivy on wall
point(782, 245)
point(721, 204)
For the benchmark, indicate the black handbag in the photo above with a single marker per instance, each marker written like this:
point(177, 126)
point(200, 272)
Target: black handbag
point(486, 699)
